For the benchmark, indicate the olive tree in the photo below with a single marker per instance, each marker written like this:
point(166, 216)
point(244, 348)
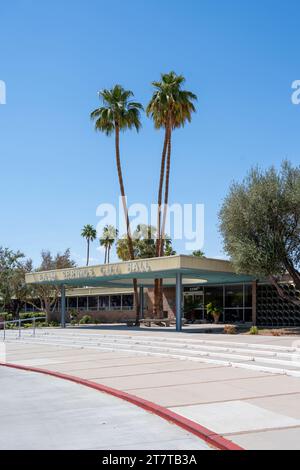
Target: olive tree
point(260, 224)
point(44, 298)
point(13, 267)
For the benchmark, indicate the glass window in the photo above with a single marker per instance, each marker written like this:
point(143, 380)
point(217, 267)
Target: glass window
point(72, 302)
point(82, 303)
point(199, 301)
point(234, 315)
point(115, 301)
point(93, 303)
point(248, 314)
point(215, 295)
point(127, 301)
point(103, 302)
point(248, 296)
point(234, 296)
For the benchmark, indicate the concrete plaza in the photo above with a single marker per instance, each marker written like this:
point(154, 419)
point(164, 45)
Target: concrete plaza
point(254, 409)
point(42, 412)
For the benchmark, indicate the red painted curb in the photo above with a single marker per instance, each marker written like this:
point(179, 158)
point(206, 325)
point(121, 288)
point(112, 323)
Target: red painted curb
point(203, 433)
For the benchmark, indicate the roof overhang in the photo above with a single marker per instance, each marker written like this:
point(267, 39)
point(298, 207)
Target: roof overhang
point(194, 271)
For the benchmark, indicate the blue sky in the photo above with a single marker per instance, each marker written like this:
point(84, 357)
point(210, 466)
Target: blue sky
point(239, 57)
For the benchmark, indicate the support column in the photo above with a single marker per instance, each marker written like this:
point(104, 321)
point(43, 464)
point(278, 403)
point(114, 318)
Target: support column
point(142, 302)
point(178, 302)
point(254, 302)
point(63, 306)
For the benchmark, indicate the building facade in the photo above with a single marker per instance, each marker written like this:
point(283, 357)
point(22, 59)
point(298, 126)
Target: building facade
point(235, 301)
point(190, 284)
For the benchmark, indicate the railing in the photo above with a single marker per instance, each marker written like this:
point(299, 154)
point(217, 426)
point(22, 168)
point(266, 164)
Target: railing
point(19, 325)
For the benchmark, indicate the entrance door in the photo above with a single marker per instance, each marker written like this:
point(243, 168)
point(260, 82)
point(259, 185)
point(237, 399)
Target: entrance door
point(194, 306)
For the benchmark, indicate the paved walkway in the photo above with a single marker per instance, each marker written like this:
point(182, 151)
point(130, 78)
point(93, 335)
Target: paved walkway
point(42, 412)
point(255, 410)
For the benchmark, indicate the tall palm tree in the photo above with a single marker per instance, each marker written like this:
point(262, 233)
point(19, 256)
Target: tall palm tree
point(170, 108)
point(109, 236)
point(90, 234)
point(119, 113)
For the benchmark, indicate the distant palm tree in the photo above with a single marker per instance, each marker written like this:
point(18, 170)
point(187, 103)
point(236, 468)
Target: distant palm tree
point(119, 113)
point(109, 236)
point(90, 234)
point(198, 254)
point(170, 107)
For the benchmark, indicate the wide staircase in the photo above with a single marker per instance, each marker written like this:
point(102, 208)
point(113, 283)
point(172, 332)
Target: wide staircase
point(249, 355)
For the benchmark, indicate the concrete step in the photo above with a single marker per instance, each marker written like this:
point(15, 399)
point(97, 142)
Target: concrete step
point(246, 352)
point(180, 339)
point(223, 353)
point(264, 358)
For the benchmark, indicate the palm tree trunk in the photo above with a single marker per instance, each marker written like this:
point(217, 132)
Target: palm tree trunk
point(108, 255)
point(130, 244)
point(160, 190)
point(166, 203)
point(105, 256)
point(88, 252)
point(159, 204)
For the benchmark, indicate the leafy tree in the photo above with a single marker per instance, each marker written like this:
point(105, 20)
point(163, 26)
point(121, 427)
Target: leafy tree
point(260, 223)
point(90, 234)
point(109, 237)
point(13, 267)
point(144, 244)
point(45, 297)
point(119, 113)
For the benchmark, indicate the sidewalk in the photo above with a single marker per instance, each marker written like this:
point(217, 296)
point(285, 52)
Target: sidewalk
point(253, 409)
point(39, 412)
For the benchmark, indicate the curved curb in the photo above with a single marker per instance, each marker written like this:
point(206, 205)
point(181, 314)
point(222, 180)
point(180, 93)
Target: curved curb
point(212, 438)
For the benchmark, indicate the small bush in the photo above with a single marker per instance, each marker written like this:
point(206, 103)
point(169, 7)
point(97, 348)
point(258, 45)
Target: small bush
point(277, 333)
point(73, 314)
point(254, 330)
point(85, 320)
point(230, 330)
point(29, 315)
point(6, 316)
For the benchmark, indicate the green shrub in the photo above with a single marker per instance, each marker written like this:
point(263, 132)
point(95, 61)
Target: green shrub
point(254, 330)
point(73, 313)
point(42, 324)
point(85, 320)
point(29, 315)
point(6, 316)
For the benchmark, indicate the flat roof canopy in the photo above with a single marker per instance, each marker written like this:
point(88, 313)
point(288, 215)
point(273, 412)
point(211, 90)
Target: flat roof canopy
point(194, 271)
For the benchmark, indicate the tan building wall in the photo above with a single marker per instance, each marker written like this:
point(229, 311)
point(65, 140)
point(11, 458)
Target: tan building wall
point(169, 303)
